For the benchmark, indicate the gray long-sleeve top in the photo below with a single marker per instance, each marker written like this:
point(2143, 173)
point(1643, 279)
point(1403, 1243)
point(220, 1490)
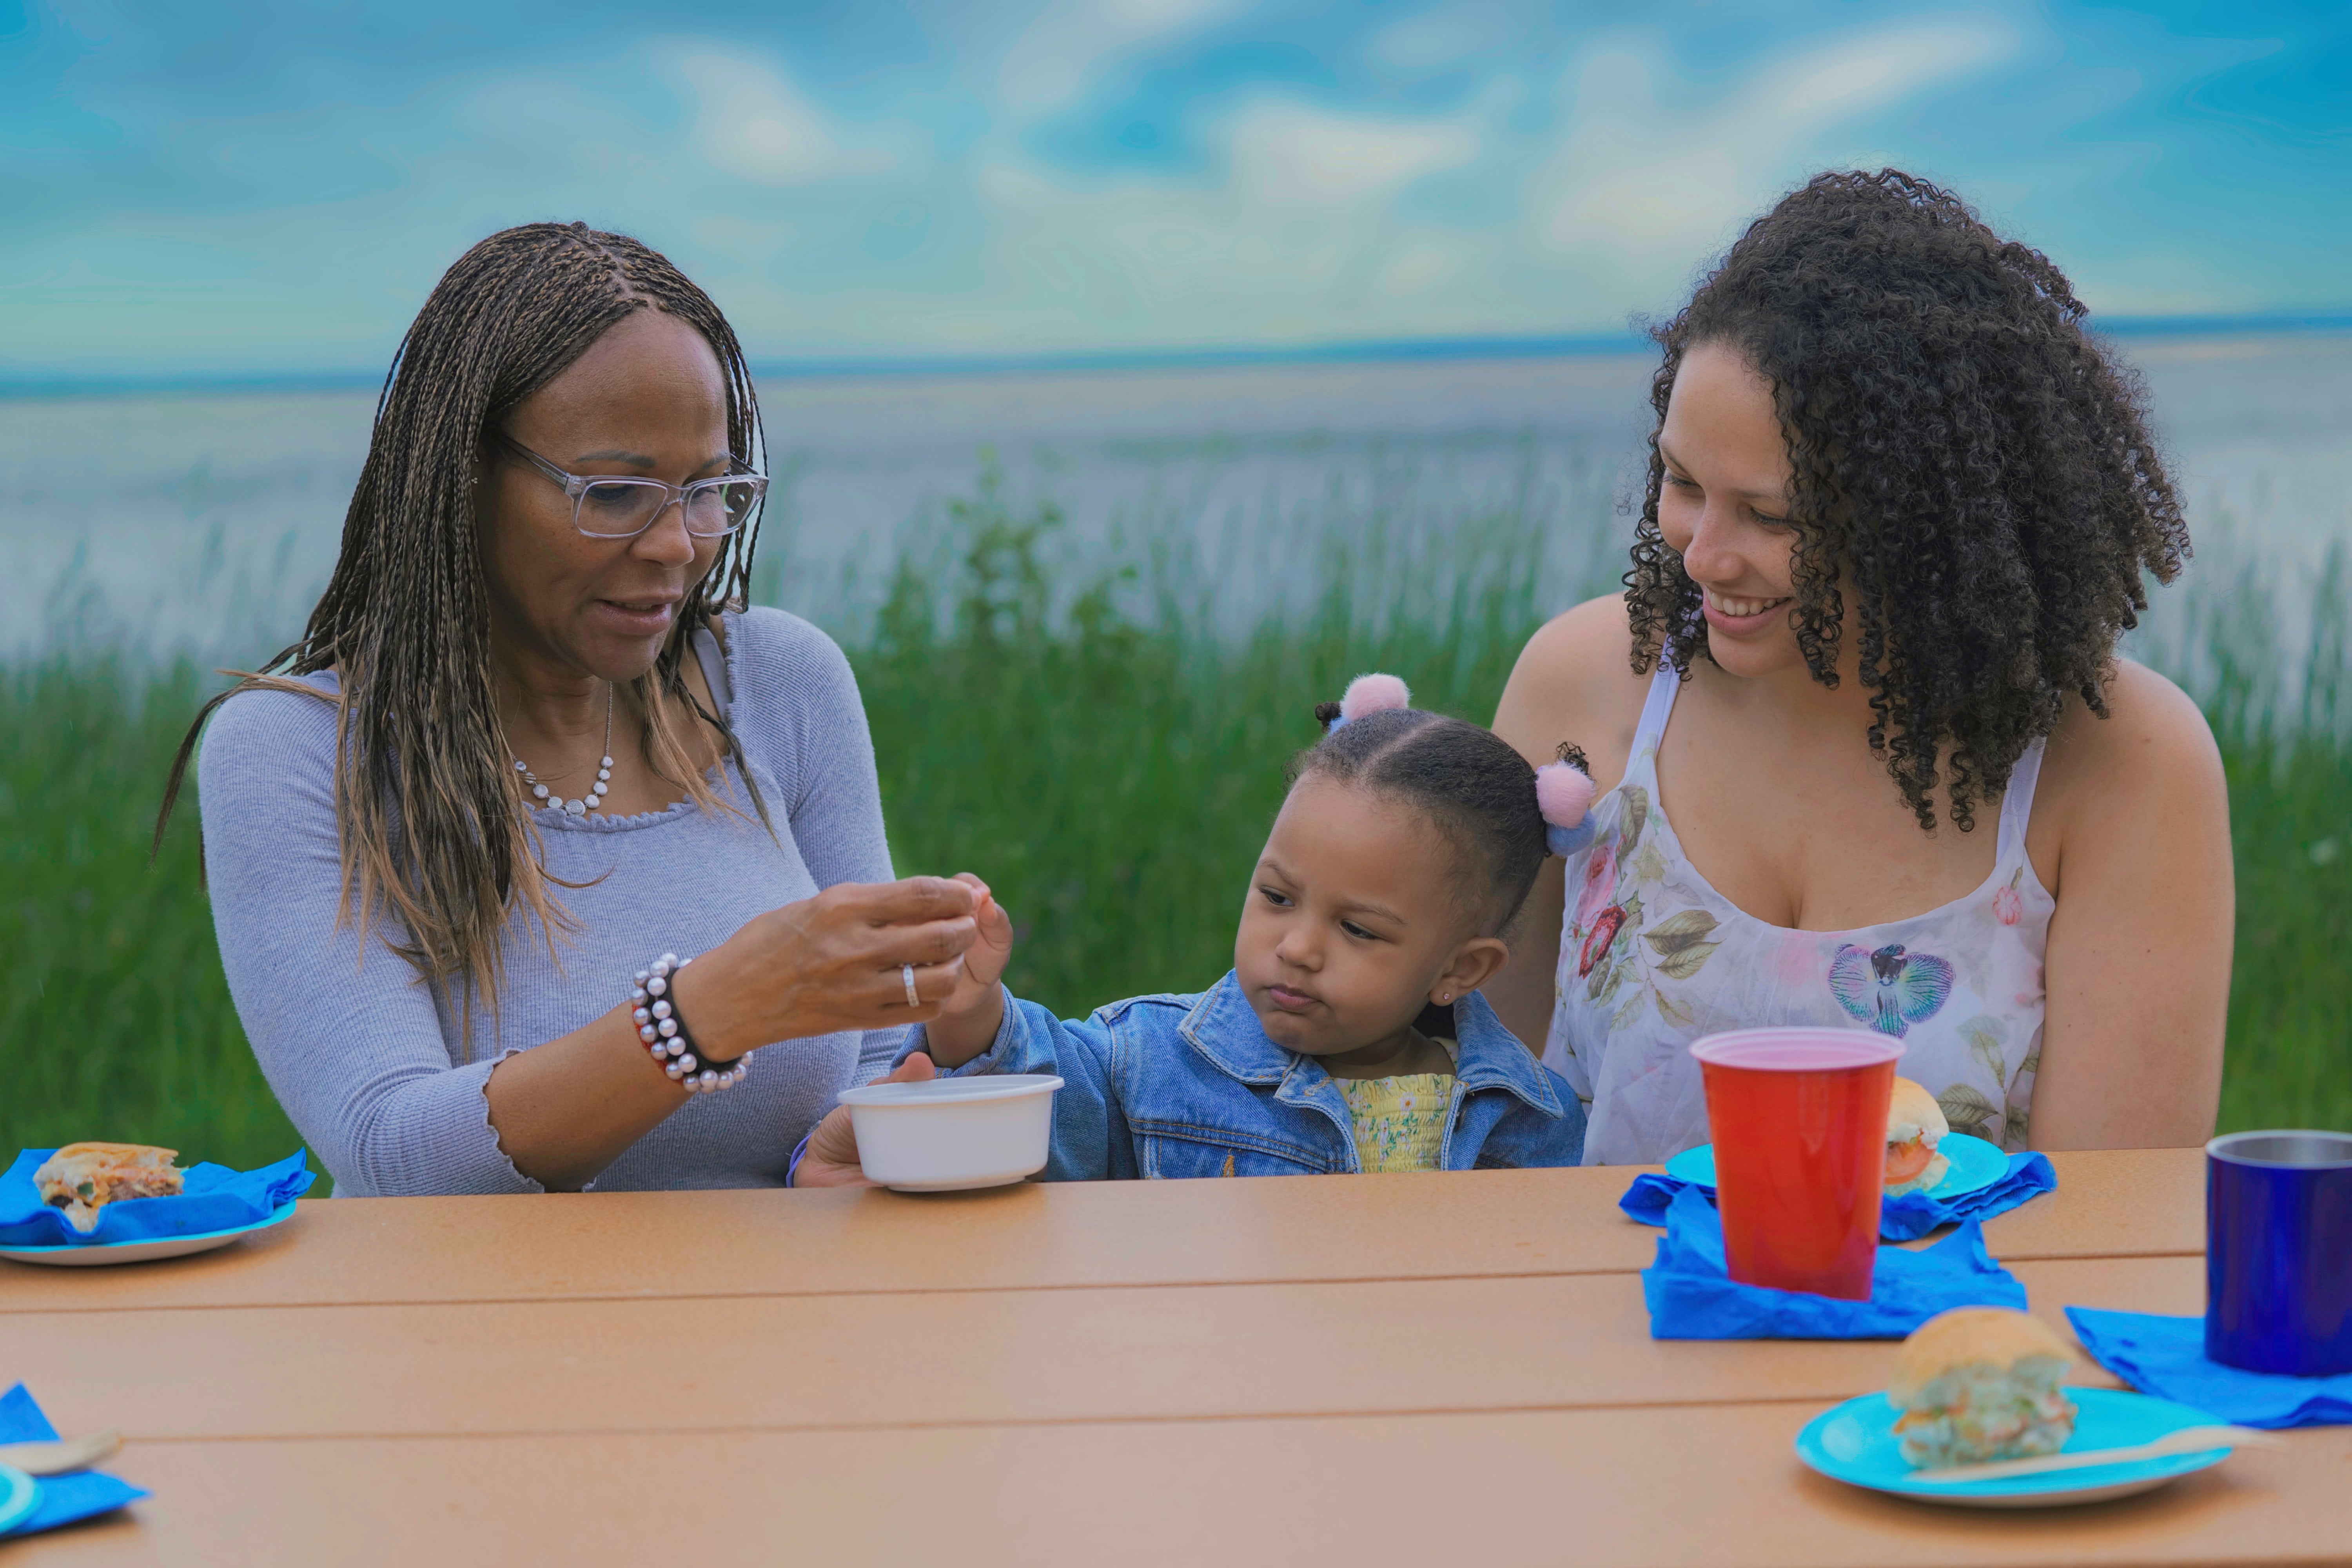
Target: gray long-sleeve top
point(370, 1062)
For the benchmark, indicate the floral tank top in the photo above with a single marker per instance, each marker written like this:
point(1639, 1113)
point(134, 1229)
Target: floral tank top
point(1652, 958)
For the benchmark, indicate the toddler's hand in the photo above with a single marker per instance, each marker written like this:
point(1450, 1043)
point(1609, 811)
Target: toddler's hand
point(984, 960)
point(969, 1018)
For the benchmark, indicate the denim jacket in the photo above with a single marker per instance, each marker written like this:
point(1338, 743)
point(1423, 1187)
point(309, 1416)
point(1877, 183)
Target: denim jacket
point(1191, 1086)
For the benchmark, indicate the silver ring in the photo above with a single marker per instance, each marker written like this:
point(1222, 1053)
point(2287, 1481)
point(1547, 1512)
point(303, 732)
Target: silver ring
point(907, 974)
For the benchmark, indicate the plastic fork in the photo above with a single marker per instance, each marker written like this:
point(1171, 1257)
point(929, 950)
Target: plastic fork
point(2188, 1441)
point(59, 1458)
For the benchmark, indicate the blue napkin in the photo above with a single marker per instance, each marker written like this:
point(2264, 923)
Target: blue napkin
point(61, 1500)
point(214, 1197)
point(1692, 1298)
point(2166, 1356)
point(1904, 1218)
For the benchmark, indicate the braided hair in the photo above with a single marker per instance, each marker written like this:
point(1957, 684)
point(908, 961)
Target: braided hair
point(1967, 466)
point(1500, 816)
point(425, 801)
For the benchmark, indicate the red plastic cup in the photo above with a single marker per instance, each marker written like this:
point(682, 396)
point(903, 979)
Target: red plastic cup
point(1799, 1119)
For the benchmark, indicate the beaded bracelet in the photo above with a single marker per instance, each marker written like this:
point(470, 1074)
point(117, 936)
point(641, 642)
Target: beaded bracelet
point(664, 1032)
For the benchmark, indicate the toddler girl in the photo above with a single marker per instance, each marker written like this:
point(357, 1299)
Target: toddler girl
point(1350, 1035)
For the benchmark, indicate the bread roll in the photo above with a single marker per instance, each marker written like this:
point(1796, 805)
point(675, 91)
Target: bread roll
point(1915, 1126)
point(83, 1178)
point(1981, 1383)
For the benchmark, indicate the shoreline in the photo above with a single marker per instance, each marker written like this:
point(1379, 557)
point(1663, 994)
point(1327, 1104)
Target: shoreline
point(1138, 358)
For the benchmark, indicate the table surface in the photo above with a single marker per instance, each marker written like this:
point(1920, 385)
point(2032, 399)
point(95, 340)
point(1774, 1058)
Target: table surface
point(1402, 1369)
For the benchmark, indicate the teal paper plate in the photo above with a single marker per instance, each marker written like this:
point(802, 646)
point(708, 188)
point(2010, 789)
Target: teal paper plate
point(1856, 1443)
point(19, 1494)
point(1975, 1163)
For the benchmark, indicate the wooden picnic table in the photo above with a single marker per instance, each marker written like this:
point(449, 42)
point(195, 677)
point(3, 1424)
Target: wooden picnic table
point(1440, 1368)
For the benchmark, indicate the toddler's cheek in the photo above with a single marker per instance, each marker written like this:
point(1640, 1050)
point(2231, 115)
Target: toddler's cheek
point(1253, 945)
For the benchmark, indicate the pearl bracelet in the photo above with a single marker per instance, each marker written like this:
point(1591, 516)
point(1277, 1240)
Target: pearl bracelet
point(664, 1032)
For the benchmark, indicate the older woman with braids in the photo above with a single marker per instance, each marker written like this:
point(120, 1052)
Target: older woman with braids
point(1873, 760)
point(539, 831)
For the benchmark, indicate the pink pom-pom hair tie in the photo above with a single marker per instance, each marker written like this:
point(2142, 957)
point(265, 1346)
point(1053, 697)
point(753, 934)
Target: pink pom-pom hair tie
point(1371, 694)
point(1564, 794)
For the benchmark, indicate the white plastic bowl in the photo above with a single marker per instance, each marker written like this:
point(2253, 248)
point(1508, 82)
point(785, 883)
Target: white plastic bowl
point(948, 1134)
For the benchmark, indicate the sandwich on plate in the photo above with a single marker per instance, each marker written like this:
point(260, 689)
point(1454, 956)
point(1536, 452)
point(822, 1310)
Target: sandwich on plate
point(1977, 1384)
point(83, 1178)
point(1915, 1125)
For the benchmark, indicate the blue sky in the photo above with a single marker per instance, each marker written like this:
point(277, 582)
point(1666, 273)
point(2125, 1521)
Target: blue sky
point(274, 187)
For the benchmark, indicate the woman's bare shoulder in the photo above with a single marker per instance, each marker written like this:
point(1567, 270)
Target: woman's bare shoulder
point(2151, 728)
point(2149, 765)
point(1575, 682)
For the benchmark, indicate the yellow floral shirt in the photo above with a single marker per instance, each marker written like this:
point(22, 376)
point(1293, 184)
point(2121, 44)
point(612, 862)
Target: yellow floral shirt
point(1400, 1121)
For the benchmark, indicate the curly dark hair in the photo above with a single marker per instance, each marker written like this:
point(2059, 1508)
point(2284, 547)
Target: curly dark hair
point(1968, 465)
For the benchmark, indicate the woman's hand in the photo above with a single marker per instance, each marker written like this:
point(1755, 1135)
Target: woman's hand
point(969, 1019)
point(826, 964)
point(972, 1013)
point(835, 962)
point(832, 1157)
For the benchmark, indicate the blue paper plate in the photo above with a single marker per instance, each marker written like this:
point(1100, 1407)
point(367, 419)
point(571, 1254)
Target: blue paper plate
point(88, 1253)
point(19, 1495)
point(1856, 1443)
point(1975, 1163)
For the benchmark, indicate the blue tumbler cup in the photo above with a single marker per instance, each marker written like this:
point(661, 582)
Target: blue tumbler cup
point(2278, 1252)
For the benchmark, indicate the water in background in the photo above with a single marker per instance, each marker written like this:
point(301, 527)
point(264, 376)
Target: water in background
point(205, 523)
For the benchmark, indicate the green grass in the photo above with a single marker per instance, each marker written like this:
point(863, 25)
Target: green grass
point(2287, 748)
point(1103, 754)
point(124, 1027)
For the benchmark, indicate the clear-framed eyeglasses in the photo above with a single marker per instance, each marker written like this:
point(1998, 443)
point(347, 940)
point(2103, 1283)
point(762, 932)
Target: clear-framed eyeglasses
point(612, 508)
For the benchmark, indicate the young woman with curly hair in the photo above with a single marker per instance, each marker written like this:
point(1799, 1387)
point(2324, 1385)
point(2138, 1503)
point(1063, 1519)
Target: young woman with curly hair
point(1872, 761)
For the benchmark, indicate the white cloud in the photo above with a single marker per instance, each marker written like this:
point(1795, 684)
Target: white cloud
point(752, 123)
point(1300, 241)
point(1443, 37)
point(1645, 178)
point(1417, 269)
point(1288, 154)
point(1306, 236)
point(1868, 73)
point(1070, 42)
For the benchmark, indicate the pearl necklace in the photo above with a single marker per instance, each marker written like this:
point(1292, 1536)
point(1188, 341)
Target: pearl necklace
point(579, 806)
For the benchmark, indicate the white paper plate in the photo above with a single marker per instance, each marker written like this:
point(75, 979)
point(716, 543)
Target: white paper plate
point(69, 1256)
